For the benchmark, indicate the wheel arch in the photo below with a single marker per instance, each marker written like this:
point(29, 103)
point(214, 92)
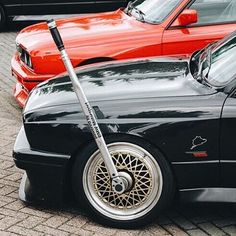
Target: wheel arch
point(131, 137)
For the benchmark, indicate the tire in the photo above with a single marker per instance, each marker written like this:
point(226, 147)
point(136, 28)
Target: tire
point(152, 188)
point(2, 18)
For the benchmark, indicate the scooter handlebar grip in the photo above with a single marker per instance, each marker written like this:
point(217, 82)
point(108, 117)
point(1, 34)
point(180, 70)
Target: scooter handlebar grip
point(55, 34)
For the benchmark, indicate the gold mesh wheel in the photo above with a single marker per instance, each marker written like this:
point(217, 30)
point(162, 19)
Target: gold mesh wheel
point(144, 192)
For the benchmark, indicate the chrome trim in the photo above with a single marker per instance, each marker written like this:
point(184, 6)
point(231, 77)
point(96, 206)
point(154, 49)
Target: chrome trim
point(227, 161)
point(195, 162)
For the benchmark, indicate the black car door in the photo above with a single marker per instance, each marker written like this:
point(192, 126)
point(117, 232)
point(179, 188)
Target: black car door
point(12, 7)
point(228, 142)
point(224, 60)
point(41, 7)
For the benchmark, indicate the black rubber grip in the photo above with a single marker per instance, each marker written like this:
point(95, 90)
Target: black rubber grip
point(55, 34)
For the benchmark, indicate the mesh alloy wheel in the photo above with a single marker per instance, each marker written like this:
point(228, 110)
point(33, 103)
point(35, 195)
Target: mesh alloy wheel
point(145, 188)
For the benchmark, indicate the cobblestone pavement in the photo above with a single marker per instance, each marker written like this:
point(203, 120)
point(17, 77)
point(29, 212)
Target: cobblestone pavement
point(16, 218)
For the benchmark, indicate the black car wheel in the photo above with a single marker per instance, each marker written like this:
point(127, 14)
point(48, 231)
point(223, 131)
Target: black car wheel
point(152, 185)
point(2, 18)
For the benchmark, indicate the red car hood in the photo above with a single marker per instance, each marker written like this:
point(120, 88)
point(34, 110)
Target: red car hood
point(96, 29)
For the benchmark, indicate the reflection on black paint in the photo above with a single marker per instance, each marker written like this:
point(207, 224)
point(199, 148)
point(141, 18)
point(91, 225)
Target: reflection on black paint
point(165, 114)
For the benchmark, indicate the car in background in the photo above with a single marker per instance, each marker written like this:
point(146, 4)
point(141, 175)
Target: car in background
point(12, 8)
point(169, 124)
point(145, 28)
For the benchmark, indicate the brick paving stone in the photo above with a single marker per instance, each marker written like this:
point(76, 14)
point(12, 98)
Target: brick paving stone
point(16, 205)
point(1, 176)
point(153, 230)
point(9, 212)
point(14, 177)
point(3, 204)
point(14, 195)
point(15, 170)
point(9, 183)
point(174, 230)
point(4, 143)
point(99, 229)
point(196, 232)
point(231, 230)
point(6, 172)
point(184, 223)
point(199, 213)
point(36, 212)
point(211, 229)
point(8, 221)
point(80, 234)
point(121, 232)
point(48, 230)
point(6, 190)
point(8, 152)
point(7, 234)
point(225, 222)
point(75, 230)
point(78, 221)
point(1, 216)
point(6, 164)
point(69, 215)
point(55, 221)
point(5, 156)
point(30, 222)
point(24, 231)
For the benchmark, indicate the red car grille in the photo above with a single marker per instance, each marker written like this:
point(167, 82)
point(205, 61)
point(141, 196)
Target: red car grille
point(25, 57)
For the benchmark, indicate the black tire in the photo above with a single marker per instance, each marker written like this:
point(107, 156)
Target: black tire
point(2, 18)
point(136, 219)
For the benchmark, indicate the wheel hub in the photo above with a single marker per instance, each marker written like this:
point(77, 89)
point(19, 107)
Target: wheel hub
point(126, 185)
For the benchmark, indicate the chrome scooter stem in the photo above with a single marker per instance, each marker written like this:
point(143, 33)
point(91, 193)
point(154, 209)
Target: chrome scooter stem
point(119, 184)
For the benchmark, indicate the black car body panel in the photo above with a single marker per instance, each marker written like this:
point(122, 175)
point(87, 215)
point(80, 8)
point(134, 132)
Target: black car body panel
point(156, 99)
point(44, 7)
point(45, 171)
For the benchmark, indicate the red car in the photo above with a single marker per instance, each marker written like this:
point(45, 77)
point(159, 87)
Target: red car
point(145, 28)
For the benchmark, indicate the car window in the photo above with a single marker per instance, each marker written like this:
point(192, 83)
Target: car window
point(223, 64)
point(155, 11)
point(215, 11)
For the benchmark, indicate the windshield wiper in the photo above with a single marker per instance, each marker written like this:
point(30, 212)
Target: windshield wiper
point(131, 7)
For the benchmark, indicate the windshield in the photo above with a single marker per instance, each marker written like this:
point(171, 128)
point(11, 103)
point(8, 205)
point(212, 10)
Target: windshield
point(223, 64)
point(152, 11)
point(215, 65)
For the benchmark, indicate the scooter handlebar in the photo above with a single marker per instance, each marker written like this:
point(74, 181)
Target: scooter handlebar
point(55, 34)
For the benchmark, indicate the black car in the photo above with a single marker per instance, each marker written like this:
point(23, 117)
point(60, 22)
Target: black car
point(169, 124)
point(11, 8)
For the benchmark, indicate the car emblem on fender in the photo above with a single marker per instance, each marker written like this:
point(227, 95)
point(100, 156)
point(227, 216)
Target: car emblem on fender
point(198, 141)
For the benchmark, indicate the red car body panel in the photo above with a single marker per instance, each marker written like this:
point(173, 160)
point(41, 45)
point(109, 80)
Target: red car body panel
point(105, 36)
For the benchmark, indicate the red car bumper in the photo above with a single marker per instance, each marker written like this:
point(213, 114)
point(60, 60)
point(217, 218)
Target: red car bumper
point(26, 80)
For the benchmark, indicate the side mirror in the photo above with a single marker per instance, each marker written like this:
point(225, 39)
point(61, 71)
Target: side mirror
point(187, 17)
